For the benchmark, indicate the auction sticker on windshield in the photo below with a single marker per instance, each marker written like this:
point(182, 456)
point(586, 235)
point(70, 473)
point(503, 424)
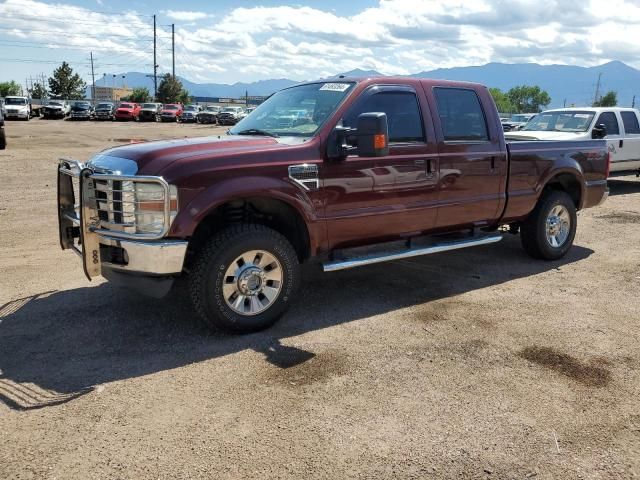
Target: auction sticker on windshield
point(335, 87)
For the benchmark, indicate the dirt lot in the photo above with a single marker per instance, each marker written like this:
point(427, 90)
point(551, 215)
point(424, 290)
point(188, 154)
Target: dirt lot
point(473, 364)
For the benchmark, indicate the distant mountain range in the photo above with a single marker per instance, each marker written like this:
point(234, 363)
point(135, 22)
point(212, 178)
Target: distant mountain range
point(565, 84)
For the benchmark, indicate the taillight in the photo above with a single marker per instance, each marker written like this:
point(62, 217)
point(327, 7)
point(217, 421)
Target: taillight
point(609, 155)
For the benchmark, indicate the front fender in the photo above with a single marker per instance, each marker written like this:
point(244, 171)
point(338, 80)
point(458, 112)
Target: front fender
point(203, 203)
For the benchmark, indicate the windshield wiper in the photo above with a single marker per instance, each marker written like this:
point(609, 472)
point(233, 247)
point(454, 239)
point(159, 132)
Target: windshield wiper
point(257, 131)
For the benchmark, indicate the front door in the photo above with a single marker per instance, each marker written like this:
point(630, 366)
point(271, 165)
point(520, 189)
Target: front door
point(614, 139)
point(473, 161)
point(390, 197)
point(629, 151)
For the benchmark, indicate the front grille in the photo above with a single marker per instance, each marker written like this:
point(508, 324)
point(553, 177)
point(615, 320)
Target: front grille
point(115, 203)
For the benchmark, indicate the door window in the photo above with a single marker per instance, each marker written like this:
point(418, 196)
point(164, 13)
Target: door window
point(461, 115)
point(630, 122)
point(403, 115)
point(610, 122)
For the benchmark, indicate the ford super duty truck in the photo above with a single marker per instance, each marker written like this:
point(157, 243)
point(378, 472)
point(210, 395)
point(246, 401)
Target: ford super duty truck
point(370, 170)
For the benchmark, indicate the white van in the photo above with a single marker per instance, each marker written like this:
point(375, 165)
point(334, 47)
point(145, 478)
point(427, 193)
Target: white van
point(622, 124)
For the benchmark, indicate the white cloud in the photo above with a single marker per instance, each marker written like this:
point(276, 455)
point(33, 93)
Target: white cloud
point(303, 42)
point(184, 16)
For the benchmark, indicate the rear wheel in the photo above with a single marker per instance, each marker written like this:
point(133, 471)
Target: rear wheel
point(549, 231)
point(244, 278)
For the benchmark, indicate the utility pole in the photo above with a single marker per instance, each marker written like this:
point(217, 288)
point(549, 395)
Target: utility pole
point(595, 98)
point(155, 62)
point(173, 49)
point(93, 81)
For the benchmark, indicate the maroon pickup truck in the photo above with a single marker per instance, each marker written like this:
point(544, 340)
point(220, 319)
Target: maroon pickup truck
point(346, 172)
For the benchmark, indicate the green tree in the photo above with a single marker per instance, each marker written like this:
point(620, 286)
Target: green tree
point(170, 89)
point(528, 98)
point(38, 91)
point(9, 88)
point(184, 97)
point(140, 95)
point(66, 84)
point(609, 99)
point(502, 100)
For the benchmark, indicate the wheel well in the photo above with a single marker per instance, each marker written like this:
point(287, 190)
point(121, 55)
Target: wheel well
point(269, 212)
point(566, 182)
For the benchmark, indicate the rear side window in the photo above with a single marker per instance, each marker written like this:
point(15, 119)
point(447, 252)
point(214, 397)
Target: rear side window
point(610, 121)
point(630, 122)
point(403, 115)
point(461, 115)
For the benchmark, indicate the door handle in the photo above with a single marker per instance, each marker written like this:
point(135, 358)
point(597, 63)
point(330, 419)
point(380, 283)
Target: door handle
point(493, 163)
point(621, 143)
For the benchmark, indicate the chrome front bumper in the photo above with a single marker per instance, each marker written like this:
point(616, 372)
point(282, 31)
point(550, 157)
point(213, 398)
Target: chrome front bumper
point(106, 249)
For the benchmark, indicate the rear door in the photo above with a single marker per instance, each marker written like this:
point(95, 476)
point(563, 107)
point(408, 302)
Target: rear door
point(472, 157)
point(630, 149)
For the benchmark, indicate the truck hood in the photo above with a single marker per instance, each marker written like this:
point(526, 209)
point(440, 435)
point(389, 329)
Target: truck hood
point(543, 135)
point(54, 107)
point(154, 157)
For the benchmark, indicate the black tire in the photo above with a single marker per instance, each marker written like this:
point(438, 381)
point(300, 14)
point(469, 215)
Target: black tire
point(208, 275)
point(533, 232)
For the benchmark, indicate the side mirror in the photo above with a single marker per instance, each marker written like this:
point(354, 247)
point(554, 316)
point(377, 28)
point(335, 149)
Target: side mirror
point(599, 131)
point(373, 135)
point(370, 138)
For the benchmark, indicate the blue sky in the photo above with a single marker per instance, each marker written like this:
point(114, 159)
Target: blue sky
point(226, 41)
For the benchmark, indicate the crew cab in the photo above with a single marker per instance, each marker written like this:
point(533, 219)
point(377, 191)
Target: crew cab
point(17, 107)
point(128, 111)
point(105, 111)
point(56, 109)
point(150, 112)
point(621, 125)
point(171, 112)
point(381, 169)
point(81, 110)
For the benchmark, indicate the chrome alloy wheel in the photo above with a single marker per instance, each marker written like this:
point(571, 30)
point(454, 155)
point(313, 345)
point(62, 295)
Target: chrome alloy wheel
point(252, 282)
point(558, 226)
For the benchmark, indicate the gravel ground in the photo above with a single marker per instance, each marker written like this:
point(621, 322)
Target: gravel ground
point(472, 364)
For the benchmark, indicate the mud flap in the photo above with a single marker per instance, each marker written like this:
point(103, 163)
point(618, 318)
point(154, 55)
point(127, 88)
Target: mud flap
point(88, 238)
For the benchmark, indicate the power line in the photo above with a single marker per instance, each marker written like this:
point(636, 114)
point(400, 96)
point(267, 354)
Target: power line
point(85, 11)
point(66, 33)
point(104, 23)
point(56, 62)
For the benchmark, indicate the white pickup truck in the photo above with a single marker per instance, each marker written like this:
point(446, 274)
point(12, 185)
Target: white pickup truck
point(622, 127)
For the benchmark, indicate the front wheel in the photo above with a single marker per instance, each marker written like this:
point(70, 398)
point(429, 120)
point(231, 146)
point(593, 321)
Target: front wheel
point(549, 231)
point(244, 278)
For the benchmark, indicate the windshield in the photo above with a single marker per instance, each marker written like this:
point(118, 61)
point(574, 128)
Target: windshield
point(15, 101)
point(171, 107)
point(230, 110)
point(82, 105)
point(297, 111)
point(126, 105)
point(149, 105)
point(213, 109)
point(104, 105)
point(560, 121)
point(191, 108)
point(57, 104)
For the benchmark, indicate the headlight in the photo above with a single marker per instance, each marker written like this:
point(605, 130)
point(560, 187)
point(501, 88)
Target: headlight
point(150, 204)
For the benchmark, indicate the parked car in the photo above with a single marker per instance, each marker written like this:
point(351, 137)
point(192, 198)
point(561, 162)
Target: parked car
point(3, 109)
point(17, 107)
point(517, 121)
point(190, 113)
point(81, 111)
point(56, 109)
point(128, 111)
point(230, 115)
point(171, 112)
point(150, 112)
point(105, 111)
point(238, 214)
point(209, 114)
point(622, 126)
point(3, 137)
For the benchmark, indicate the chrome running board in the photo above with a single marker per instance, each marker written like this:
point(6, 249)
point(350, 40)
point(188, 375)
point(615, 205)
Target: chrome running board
point(343, 264)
